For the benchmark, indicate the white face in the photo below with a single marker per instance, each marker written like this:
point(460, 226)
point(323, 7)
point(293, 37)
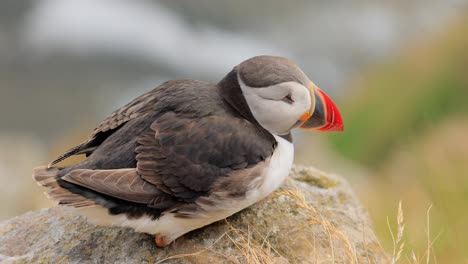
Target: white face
point(278, 107)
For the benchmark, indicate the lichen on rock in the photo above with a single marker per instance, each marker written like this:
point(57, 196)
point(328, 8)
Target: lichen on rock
point(313, 218)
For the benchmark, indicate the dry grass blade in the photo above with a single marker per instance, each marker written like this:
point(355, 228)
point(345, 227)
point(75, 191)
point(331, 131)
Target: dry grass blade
point(428, 234)
point(398, 243)
point(315, 217)
point(253, 245)
point(430, 242)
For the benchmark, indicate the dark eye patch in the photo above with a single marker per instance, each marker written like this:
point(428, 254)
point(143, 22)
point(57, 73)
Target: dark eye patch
point(287, 99)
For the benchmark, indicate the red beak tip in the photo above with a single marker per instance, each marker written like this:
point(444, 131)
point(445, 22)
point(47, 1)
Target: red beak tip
point(334, 119)
point(335, 128)
point(338, 128)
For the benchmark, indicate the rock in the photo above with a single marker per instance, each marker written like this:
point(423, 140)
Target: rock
point(313, 218)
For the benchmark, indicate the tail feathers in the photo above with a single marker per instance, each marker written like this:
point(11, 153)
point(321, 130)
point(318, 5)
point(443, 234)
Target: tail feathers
point(46, 177)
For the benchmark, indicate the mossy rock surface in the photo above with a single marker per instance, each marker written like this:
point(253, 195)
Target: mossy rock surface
point(313, 218)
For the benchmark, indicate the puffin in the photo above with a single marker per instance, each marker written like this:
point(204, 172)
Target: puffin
point(189, 153)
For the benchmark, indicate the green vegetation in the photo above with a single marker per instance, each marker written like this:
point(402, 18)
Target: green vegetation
point(408, 122)
point(397, 102)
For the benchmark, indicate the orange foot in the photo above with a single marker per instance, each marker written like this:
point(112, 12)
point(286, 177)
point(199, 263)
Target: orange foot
point(161, 241)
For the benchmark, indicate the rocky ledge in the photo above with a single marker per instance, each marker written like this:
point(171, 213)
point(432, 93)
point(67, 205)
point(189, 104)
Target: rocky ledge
point(313, 218)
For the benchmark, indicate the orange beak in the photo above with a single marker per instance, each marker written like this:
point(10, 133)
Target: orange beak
point(325, 115)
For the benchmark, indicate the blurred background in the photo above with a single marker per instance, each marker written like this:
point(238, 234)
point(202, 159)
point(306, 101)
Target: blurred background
point(397, 69)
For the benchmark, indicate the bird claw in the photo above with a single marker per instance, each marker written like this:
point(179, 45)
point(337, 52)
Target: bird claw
point(161, 241)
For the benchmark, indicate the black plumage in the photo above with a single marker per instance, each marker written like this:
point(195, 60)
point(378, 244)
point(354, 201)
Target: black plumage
point(180, 138)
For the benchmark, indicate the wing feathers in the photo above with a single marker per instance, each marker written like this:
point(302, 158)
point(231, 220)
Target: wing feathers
point(73, 151)
point(140, 106)
point(184, 156)
point(124, 184)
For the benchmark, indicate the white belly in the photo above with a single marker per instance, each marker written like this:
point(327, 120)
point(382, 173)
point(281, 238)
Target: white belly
point(275, 174)
point(173, 227)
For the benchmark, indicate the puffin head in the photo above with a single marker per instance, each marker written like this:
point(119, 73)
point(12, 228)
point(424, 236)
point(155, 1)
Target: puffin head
point(281, 97)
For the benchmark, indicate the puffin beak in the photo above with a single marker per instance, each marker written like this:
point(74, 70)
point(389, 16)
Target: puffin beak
point(325, 115)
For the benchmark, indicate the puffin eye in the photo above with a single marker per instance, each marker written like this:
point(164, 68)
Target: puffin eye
point(287, 99)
